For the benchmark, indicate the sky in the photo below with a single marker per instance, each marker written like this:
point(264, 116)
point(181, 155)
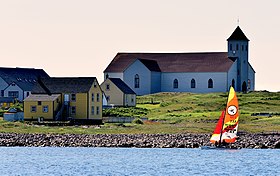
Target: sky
point(75, 38)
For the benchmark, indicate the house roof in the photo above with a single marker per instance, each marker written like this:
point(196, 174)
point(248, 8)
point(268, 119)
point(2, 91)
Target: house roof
point(63, 85)
point(174, 62)
point(238, 35)
point(42, 97)
point(25, 78)
point(122, 86)
point(7, 99)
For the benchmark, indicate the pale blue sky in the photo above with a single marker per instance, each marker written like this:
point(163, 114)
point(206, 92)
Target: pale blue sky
point(81, 37)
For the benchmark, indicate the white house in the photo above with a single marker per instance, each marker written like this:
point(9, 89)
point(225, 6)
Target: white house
point(147, 73)
point(18, 82)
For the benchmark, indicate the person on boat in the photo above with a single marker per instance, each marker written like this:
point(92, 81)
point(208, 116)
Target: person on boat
point(216, 143)
point(224, 143)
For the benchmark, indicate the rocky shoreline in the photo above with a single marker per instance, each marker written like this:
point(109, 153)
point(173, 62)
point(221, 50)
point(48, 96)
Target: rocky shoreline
point(263, 140)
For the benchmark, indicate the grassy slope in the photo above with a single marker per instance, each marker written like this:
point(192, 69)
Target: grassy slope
point(178, 113)
point(203, 110)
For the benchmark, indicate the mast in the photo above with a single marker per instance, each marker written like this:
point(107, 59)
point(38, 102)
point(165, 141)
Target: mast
point(221, 133)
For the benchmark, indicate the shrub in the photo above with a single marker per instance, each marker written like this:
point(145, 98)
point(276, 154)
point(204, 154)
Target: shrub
point(137, 121)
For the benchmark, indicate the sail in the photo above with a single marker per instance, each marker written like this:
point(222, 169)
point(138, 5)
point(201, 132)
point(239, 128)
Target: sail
point(226, 129)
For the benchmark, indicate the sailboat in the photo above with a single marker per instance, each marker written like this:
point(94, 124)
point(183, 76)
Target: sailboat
point(226, 128)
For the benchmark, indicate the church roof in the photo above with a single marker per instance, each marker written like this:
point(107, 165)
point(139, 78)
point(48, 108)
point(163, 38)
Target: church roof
point(152, 65)
point(174, 62)
point(238, 35)
point(122, 86)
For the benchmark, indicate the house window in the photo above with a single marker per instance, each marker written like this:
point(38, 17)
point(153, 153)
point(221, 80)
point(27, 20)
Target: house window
point(73, 97)
point(94, 84)
point(33, 109)
point(73, 109)
point(97, 97)
point(230, 47)
point(27, 94)
point(92, 97)
point(210, 83)
point(107, 86)
point(39, 103)
point(192, 83)
point(13, 84)
point(132, 100)
point(233, 83)
point(2, 93)
point(249, 84)
point(45, 109)
point(97, 110)
point(13, 94)
point(175, 84)
point(108, 98)
point(136, 81)
point(236, 47)
point(92, 110)
point(107, 76)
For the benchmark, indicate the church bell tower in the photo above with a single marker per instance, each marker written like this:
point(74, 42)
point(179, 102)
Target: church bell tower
point(238, 48)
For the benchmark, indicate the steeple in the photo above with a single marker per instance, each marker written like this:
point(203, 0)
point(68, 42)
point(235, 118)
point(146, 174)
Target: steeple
point(238, 35)
point(238, 47)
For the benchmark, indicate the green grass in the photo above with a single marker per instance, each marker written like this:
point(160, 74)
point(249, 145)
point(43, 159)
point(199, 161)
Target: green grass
point(176, 113)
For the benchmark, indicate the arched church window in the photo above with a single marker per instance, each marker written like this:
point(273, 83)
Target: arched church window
point(175, 84)
point(249, 84)
point(233, 83)
point(192, 83)
point(136, 81)
point(210, 83)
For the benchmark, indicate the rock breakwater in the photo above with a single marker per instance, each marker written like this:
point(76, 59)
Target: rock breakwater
point(271, 140)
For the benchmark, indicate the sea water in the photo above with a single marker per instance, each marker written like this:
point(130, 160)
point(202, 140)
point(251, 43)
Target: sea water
point(137, 161)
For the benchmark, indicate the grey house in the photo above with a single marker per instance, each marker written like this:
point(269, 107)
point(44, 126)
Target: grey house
point(18, 82)
point(204, 72)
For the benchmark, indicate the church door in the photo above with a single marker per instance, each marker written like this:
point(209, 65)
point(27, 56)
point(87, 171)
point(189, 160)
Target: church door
point(244, 87)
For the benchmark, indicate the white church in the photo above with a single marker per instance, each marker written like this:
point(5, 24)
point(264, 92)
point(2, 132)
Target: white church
point(147, 73)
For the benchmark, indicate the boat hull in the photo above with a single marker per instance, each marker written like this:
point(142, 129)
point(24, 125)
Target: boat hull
point(217, 148)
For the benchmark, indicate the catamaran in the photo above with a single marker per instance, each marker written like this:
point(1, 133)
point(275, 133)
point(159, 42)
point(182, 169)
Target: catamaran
point(226, 128)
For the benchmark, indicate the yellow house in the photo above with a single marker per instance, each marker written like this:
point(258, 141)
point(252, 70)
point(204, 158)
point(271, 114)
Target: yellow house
point(80, 99)
point(41, 105)
point(118, 93)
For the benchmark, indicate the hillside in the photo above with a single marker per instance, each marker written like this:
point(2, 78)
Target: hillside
point(171, 113)
point(187, 112)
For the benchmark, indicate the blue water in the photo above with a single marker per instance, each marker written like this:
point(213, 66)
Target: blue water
point(135, 161)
